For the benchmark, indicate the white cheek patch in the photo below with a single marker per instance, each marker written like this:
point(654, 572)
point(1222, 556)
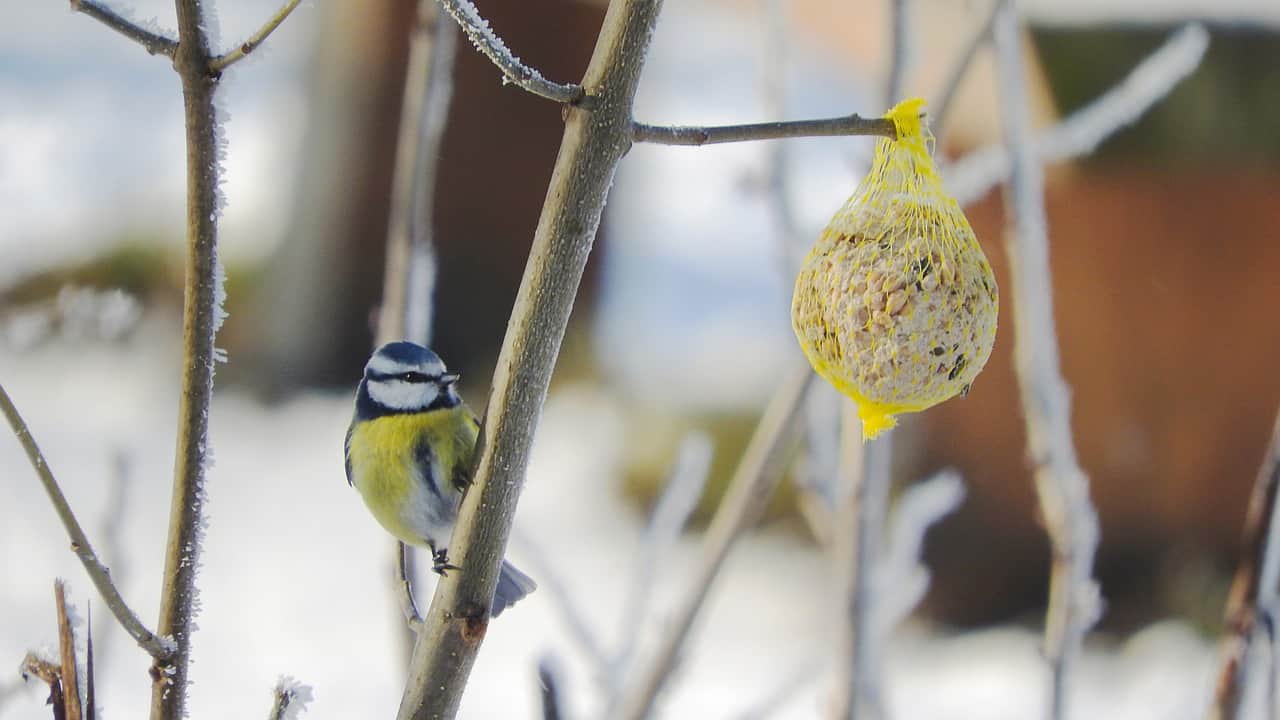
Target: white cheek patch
point(402, 395)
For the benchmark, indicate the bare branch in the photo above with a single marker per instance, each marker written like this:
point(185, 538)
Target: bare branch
point(826, 127)
point(290, 699)
point(410, 275)
point(513, 71)
point(593, 144)
point(90, 678)
point(201, 316)
point(753, 481)
point(1062, 486)
point(80, 545)
point(859, 534)
point(669, 517)
point(946, 97)
point(1254, 586)
point(549, 689)
point(970, 177)
point(67, 655)
point(153, 43)
point(227, 59)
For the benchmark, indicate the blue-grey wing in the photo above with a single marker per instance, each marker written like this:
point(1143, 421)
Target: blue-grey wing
point(346, 454)
point(425, 458)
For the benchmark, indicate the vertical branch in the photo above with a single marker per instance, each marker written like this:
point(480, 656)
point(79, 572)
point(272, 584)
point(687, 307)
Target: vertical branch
point(1253, 590)
point(199, 323)
point(597, 134)
point(1061, 485)
point(901, 51)
point(864, 475)
point(67, 655)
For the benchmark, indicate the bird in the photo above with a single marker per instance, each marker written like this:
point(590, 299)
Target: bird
point(408, 453)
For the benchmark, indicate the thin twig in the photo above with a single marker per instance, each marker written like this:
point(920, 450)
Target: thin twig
point(513, 70)
point(201, 317)
point(552, 582)
point(826, 127)
point(289, 699)
point(1254, 586)
point(67, 655)
point(594, 142)
point(1062, 486)
point(80, 545)
point(753, 482)
point(153, 43)
point(404, 585)
point(90, 677)
point(950, 88)
point(900, 51)
point(970, 177)
point(227, 59)
point(670, 515)
point(859, 534)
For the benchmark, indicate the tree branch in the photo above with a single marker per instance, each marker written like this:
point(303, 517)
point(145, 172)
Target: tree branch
point(594, 142)
point(98, 573)
point(227, 59)
point(153, 43)
point(757, 474)
point(825, 127)
point(201, 317)
point(1254, 588)
point(1061, 485)
point(67, 655)
point(513, 71)
point(970, 177)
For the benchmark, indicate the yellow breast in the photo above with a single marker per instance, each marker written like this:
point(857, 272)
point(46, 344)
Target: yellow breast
point(387, 469)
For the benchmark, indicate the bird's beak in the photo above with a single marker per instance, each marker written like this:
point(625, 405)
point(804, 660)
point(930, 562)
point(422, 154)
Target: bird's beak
point(449, 378)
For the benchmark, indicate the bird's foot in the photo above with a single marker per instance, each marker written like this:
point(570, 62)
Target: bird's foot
point(441, 565)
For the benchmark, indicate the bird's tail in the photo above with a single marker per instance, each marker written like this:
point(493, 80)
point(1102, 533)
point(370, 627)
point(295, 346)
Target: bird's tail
point(512, 585)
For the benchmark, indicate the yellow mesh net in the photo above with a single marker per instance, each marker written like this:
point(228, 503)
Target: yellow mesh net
point(896, 304)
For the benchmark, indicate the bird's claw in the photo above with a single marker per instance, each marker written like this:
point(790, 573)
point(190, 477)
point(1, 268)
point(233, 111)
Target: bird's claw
point(441, 565)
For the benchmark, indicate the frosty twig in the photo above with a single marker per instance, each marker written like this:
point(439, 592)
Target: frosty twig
point(513, 70)
point(227, 59)
point(1062, 487)
point(289, 699)
point(1253, 590)
point(98, 573)
point(970, 177)
point(152, 42)
point(711, 135)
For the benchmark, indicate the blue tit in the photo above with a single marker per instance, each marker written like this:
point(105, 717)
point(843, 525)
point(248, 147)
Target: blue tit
point(409, 452)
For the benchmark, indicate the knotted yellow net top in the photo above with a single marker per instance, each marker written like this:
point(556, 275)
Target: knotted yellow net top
point(896, 304)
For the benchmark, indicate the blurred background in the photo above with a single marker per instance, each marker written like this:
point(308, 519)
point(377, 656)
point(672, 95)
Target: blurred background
point(1166, 279)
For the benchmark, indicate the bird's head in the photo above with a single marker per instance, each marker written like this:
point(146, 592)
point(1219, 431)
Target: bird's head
point(404, 377)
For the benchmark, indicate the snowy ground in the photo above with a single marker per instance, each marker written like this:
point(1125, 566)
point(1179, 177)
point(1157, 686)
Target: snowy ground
point(295, 571)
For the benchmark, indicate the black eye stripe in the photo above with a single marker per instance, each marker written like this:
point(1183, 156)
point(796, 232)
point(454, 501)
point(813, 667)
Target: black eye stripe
point(412, 376)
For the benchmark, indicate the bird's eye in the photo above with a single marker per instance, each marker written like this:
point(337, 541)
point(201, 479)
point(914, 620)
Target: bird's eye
point(413, 377)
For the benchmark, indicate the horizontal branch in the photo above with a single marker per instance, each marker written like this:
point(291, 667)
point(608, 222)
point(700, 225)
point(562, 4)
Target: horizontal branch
point(225, 60)
point(154, 43)
point(825, 127)
point(513, 70)
point(155, 645)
